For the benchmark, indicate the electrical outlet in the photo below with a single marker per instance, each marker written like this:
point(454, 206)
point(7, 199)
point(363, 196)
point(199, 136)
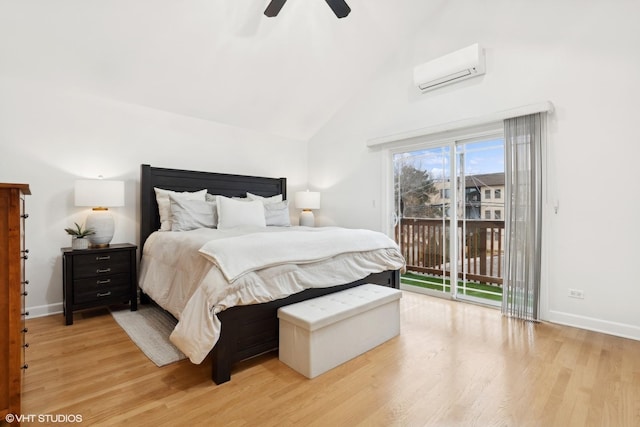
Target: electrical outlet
point(576, 293)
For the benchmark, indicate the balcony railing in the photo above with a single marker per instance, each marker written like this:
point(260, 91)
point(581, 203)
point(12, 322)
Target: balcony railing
point(480, 246)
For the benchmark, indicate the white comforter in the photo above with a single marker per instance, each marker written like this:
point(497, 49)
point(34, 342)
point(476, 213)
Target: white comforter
point(196, 274)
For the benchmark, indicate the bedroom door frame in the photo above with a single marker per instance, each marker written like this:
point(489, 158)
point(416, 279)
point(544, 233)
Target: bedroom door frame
point(452, 140)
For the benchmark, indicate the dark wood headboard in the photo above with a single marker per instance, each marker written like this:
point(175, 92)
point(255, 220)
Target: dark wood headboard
point(183, 180)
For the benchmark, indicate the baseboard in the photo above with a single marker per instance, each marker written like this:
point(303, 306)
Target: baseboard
point(596, 325)
point(44, 310)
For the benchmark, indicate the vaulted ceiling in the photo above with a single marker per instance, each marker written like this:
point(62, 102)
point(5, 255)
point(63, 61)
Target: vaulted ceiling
point(218, 60)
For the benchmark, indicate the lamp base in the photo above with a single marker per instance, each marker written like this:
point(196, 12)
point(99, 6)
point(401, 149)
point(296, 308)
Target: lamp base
point(100, 245)
point(307, 219)
point(101, 222)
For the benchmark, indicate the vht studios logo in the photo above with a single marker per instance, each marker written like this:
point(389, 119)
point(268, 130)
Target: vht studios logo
point(43, 418)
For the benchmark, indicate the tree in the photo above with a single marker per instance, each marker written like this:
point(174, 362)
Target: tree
point(413, 191)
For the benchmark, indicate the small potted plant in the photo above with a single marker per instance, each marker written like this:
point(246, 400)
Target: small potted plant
point(78, 236)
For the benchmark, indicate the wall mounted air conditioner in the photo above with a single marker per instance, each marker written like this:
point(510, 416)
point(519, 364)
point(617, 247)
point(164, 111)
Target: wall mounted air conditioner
point(453, 67)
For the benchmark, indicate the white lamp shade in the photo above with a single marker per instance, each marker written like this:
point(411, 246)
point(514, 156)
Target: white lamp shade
point(307, 200)
point(99, 193)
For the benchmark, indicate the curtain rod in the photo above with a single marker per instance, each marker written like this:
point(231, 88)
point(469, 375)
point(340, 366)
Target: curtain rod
point(546, 107)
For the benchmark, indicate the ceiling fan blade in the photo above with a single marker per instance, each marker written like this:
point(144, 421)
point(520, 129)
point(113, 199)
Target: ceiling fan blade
point(274, 8)
point(339, 7)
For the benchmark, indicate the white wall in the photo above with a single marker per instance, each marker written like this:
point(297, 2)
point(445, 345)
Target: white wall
point(50, 138)
point(584, 57)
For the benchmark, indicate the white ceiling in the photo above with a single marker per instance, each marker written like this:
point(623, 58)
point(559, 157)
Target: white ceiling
point(219, 60)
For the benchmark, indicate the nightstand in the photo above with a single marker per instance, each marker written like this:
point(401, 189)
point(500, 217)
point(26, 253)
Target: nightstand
point(96, 277)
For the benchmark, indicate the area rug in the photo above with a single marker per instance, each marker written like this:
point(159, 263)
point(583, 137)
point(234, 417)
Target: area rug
point(149, 328)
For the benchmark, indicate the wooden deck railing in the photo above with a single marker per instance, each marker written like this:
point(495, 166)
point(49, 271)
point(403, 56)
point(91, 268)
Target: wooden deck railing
point(421, 242)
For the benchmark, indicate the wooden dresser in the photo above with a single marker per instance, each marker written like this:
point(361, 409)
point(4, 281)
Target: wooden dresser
point(12, 297)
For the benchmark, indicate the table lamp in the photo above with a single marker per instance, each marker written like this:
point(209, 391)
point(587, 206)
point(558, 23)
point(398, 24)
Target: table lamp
point(307, 200)
point(100, 195)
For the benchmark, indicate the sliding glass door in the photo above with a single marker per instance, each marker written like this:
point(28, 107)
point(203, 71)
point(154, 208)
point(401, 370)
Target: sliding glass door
point(449, 215)
point(422, 189)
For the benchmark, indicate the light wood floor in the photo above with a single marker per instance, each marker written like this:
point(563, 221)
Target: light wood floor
point(454, 364)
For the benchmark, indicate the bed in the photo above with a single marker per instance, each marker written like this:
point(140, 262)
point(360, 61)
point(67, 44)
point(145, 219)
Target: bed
point(246, 330)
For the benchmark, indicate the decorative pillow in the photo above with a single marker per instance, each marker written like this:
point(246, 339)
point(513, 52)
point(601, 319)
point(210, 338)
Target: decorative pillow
point(164, 207)
point(265, 200)
point(235, 213)
point(191, 214)
point(277, 214)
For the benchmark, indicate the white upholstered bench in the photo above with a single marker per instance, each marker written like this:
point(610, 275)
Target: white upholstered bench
point(321, 333)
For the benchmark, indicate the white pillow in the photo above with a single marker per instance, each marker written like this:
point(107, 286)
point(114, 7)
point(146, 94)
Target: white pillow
point(265, 200)
point(277, 214)
point(191, 214)
point(210, 198)
point(164, 207)
point(235, 213)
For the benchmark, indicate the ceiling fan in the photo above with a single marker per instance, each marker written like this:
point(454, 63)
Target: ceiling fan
point(339, 7)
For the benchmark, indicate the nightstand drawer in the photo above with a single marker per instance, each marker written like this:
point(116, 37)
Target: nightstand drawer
point(90, 265)
point(97, 288)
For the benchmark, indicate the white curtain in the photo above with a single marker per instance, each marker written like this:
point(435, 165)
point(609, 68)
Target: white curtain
point(523, 154)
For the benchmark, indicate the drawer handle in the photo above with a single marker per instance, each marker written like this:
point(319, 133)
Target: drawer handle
point(25, 330)
point(26, 282)
point(103, 282)
point(26, 313)
point(26, 345)
point(103, 258)
point(105, 294)
point(25, 366)
point(25, 216)
point(103, 270)
point(25, 293)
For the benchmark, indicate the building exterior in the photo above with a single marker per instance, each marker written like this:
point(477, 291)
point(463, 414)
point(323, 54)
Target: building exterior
point(484, 196)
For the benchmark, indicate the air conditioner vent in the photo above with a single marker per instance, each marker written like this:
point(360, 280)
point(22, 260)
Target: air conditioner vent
point(453, 67)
